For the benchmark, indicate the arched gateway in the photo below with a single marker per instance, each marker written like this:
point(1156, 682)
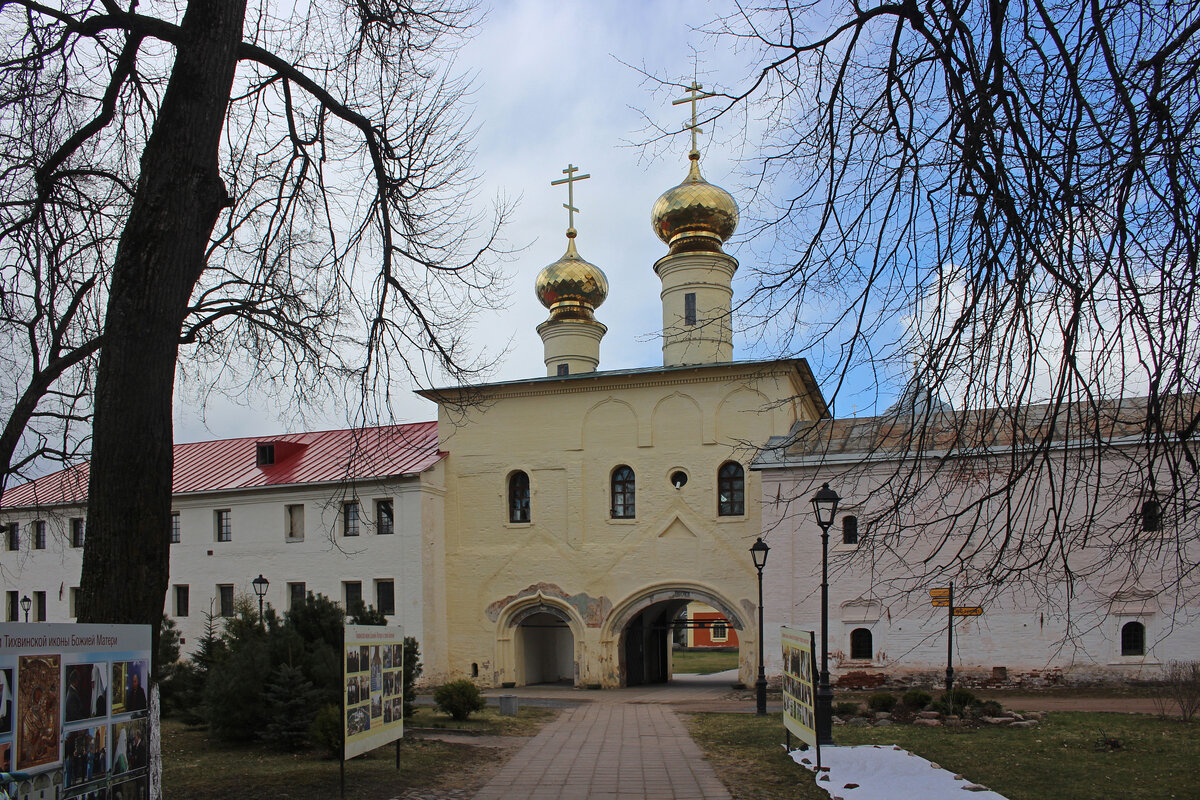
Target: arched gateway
point(538, 637)
point(640, 629)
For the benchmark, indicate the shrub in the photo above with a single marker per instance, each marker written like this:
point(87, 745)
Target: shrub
point(990, 708)
point(458, 698)
point(955, 701)
point(845, 709)
point(881, 701)
point(1181, 688)
point(916, 699)
point(326, 730)
point(412, 670)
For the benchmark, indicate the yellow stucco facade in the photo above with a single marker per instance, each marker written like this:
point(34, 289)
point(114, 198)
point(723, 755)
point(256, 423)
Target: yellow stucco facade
point(575, 594)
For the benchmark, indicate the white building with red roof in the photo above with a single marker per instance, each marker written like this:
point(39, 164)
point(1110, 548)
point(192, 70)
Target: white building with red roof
point(343, 513)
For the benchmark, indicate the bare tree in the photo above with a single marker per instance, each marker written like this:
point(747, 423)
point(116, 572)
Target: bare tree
point(282, 190)
point(998, 200)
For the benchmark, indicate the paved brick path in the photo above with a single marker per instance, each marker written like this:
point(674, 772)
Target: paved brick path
point(609, 751)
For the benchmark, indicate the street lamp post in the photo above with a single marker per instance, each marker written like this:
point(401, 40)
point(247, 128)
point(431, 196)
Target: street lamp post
point(824, 504)
point(758, 552)
point(260, 585)
point(25, 604)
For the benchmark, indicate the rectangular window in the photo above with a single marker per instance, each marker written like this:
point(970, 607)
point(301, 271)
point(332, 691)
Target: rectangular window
point(849, 530)
point(293, 519)
point(385, 519)
point(264, 454)
point(720, 631)
point(353, 591)
point(76, 531)
point(176, 528)
point(689, 308)
point(14, 607)
point(39, 606)
point(14, 536)
point(564, 369)
point(224, 526)
point(296, 595)
point(350, 519)
point(385, 596)
point(182, 596)
point(39, 535)
point(225, 599)
point(73, 602)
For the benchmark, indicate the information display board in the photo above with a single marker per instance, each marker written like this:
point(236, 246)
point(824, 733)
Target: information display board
point(800, 684)
point(74, 708)
point(373, 672)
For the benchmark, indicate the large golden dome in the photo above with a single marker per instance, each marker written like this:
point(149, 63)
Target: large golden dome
point(695, 215)
point(571, 287)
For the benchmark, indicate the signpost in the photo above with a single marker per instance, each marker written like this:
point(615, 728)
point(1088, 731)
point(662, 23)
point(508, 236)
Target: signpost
point(800, 688)
point(944, 598)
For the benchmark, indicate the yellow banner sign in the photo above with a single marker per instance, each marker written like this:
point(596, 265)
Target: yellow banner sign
point(940, 602)
point(939, 592)
point(967, 611)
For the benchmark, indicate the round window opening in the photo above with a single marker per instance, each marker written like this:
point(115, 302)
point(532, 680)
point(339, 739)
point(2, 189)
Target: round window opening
point(678, 479)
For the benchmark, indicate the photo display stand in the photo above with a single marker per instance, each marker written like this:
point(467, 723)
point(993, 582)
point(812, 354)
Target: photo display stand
point(74, 710)
point(372, 690)
point(800, 688)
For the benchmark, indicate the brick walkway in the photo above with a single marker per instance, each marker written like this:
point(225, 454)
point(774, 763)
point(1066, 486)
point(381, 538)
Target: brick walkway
point(609, 751)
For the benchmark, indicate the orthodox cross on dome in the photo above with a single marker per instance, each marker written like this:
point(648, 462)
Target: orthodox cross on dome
point(570, 204)
point(694, 96)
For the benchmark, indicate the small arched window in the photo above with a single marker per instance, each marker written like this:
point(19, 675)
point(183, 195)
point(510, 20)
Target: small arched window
point(849, 530)
point(1133, 639)
point(861, 645)
point(1151, 516)
point(518, 497)
point(624, 493)
point(731, 490)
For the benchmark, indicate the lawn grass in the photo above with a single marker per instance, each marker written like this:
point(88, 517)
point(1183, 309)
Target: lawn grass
point(1058, 759)
point(702, 662)
point(527, 722)
point(200, 768)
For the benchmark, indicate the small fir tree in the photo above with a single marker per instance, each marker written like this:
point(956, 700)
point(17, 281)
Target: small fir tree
point(292, 703)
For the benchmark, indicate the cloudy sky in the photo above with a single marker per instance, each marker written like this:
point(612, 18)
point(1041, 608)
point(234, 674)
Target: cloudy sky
point(553, 88)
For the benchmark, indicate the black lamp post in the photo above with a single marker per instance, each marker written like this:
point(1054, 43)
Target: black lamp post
point(825, 503)
point(25, 604)
point(260, 585)
point(758, 552)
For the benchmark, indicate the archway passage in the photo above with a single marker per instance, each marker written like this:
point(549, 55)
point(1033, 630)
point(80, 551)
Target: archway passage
point(646, 643)
point(547, 649)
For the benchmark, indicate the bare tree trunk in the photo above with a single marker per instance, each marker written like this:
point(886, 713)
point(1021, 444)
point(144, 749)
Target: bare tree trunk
point(159, 259)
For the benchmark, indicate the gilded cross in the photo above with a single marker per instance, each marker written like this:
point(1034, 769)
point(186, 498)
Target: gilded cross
point(694, 95)
point(570, 182)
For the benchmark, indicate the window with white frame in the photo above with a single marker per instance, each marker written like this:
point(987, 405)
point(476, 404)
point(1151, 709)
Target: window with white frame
point(385, 596)
point(176, 531)
point(77, 531)
point(182, 598)
point(1133, 639)
point(385, 517)
point(225, 599)
point(350, 518)
point(39, 535)
point(224, 525)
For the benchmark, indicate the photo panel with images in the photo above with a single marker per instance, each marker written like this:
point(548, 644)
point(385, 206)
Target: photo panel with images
point(351, 691)
point(5, 756)
point(129, 686)
point(86, 693)
point(376, 670)
point(39, 690)
point(358, 721)
point(6, 701)
point(351, 659)
point(364, 658)
point(85, 756)
point(376, 705)
point(131, 747)
point(387, 656)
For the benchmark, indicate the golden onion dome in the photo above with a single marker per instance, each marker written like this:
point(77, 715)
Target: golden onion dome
point(571, 287)
point(695, 215)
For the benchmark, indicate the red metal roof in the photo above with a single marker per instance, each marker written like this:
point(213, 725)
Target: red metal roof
point(226, 464)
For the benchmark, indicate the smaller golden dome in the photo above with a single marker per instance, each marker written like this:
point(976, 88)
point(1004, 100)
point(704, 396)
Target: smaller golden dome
point(695, 215)
point(571, 287)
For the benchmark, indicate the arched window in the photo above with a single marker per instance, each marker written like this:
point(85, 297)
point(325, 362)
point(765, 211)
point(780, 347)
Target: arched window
point(1133, 639)
point(849, 530)
point(861, 646)
point(623, 493)
point(518, 497)
point(731, 490)
point(1151, 516)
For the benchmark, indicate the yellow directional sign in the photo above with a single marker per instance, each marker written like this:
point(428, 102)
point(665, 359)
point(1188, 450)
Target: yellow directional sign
point(940, 602)
point(967, 611)
point(945, 592)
